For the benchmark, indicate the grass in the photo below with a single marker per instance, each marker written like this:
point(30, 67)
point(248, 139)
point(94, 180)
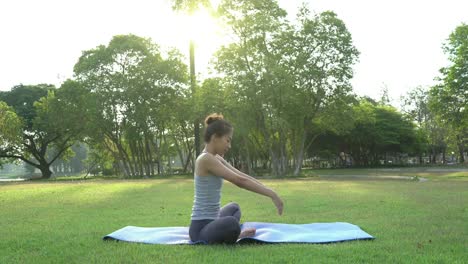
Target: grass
point(9, 176)
point(432, 173)
point(64, 221)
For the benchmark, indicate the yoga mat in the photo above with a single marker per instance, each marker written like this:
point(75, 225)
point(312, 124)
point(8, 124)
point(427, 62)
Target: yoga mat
point(266, 232)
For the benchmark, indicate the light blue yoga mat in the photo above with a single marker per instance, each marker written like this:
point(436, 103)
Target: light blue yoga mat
point(266, 232)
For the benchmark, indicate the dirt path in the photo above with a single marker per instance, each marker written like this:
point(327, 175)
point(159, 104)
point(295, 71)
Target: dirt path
point(391, 177)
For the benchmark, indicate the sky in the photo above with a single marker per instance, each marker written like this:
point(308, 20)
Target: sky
point(400, 41)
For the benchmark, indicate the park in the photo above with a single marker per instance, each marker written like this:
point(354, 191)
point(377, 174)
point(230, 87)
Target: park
point(63, 220)
point(140, 130)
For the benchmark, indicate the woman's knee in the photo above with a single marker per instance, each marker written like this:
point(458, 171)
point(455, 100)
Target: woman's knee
point(234, 205)
point(229, 221)
point(232, 227)
point(222, 230)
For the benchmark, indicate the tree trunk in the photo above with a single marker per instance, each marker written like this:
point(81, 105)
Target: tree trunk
point(149, 157)
point(274, 163)
point(136, 158)
point(156, 153)
point(187, 161)
point(196, 127)
point(283, 155)
point(179, 151)
point(300, 155)
point(128, 168)
point(143, 160)
point(45, 170)
point(248, 160)
point(189, 157)
point(461, 150)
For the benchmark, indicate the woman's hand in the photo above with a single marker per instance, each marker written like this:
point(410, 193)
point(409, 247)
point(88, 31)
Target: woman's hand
point(278, 203)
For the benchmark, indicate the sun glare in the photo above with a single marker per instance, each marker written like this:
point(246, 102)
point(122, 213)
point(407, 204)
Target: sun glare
point(204, 30)
point(200, 27)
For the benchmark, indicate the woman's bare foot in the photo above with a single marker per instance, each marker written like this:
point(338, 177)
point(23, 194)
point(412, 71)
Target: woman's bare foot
point(248, 232)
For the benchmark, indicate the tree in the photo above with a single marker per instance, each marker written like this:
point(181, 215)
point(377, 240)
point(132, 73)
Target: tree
point(284, 76)
point(449, 98)
point(134, 90)
point(323, 55)
point(431, 134)
point(378, 130)
point(72, 161)
point(10, 128)
point(49, 121)
point(252, 74)
point(384, 96)
point(190, 7)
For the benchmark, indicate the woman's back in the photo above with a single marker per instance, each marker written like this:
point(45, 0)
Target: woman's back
point(207, 194)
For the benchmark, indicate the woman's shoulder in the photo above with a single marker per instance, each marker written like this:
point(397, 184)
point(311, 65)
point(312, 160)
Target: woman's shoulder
point(203, 157)
point(202, 161)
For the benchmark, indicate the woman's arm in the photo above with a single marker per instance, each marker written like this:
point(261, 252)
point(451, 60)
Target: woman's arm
point(216, 167)
point(220, 158)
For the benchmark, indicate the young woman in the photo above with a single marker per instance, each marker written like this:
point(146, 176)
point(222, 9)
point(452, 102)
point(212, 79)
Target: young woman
point(209, 222)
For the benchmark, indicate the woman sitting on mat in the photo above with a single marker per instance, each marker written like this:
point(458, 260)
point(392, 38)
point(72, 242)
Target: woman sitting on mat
point(208, 222)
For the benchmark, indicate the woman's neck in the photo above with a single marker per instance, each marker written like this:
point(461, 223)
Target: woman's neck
point(209, 149)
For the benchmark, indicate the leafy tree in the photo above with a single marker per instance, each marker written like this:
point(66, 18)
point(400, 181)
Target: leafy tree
point(384, 96)
point(378, 130)
point(253, 76)
point(449, 99)
point(10, 129)
point(190, 6)
point(135, 89)
point(49, 121)
point(432, 135)
point(72, 161)
point(284, 76)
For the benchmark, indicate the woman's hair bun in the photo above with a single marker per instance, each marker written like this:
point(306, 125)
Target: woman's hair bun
point(213, 117)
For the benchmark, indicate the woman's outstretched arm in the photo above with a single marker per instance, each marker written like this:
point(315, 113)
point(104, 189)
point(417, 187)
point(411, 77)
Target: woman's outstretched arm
point(220, 158)
point(215, 166)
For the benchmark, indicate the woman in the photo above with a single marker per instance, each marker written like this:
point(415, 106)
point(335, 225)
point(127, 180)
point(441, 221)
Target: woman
point(209, 222)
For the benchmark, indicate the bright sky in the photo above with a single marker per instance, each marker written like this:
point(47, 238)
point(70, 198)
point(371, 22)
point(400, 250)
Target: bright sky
point(399, 40)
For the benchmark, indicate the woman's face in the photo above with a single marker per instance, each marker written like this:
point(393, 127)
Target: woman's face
point(223, 144)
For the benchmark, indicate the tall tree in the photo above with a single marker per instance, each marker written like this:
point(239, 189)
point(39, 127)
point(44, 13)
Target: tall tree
point(323, 55)
point(134, 88)
point(450, 96)
point(431, 134)
point(10, 130)
point(49, 122)
point(379, 131)
point(190, 7)
point(285, 76)
point(253, 74)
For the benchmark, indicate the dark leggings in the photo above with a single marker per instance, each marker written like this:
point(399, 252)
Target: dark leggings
point(225, 229)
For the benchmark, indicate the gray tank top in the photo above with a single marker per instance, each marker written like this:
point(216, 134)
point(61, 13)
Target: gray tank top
point(207, 199)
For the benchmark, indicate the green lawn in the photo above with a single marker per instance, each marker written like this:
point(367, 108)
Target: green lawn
point(64, 221)
point(432, 173)
point(9, 176)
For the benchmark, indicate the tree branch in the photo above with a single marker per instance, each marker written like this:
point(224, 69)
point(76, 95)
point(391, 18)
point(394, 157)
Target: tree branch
point(21, 158)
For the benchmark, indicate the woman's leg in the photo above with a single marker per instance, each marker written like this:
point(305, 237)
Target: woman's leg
point(225, 229)
point(222, 230)
point(231, 209)
point(196, 226)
